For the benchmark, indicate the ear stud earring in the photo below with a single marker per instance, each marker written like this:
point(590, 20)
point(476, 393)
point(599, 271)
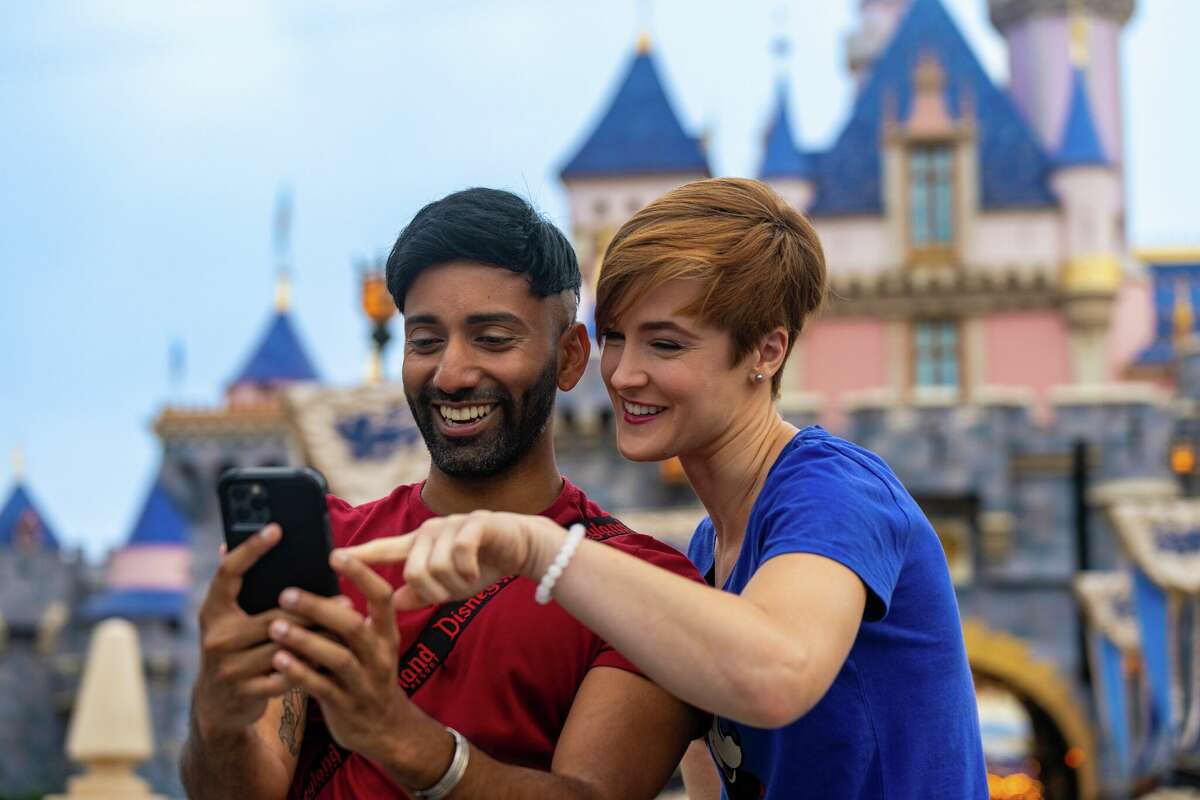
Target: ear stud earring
point(758, 377)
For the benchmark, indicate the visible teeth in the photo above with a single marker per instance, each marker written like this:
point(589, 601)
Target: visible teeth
point(465, 414)
point(639, 410)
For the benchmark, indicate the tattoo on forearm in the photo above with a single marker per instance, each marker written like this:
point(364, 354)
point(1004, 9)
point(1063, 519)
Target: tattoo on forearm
point(289, 724)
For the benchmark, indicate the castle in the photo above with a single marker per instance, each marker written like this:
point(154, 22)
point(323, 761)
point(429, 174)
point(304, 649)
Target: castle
point(990, 334)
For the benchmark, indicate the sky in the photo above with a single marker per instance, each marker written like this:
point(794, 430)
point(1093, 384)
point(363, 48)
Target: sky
point(143, 145)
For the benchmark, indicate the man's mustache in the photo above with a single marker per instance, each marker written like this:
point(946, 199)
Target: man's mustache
point(465, 396)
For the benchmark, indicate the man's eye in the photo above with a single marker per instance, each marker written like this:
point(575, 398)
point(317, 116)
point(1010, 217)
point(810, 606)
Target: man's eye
point(495, 341)
point(423, 342)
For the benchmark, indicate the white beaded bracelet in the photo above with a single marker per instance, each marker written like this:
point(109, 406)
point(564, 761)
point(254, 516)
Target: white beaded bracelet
point(574, 536)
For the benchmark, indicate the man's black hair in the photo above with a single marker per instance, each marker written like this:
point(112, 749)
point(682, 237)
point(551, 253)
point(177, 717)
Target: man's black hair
point(488, 226)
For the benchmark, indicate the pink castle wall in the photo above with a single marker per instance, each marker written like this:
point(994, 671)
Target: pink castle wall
point(1132, 325)
point(1027, 348)
point(840, 356)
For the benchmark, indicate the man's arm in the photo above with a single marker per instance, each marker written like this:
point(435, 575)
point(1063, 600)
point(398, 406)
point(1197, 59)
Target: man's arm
point(622, 738)
point(257, 761)
point(245, 724)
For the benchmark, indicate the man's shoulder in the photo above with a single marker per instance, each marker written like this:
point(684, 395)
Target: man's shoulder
point(607, 528)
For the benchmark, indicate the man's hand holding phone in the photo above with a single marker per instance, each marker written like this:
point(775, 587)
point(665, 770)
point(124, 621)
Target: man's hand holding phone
point(352, 674)
point(236, 677)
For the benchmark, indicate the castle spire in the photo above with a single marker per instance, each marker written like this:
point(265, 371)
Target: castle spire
point(18, 464)
point(283, 245)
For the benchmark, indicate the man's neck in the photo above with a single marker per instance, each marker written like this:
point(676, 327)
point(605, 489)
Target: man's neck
point(528, 487)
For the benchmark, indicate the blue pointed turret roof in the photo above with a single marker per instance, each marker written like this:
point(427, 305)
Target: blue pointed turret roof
point(161, 522)
point(1080, 142)
point(279, 356)
point(782, 158)
point(21, 521)
point(1012, 165)
point(639, 133)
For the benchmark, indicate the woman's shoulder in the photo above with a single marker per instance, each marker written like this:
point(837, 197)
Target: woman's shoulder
point(816, 454)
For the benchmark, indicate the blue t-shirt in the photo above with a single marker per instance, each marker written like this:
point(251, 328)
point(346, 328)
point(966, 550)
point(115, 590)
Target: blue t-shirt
point(900, 719)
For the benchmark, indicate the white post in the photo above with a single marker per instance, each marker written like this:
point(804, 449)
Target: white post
point(110, 729)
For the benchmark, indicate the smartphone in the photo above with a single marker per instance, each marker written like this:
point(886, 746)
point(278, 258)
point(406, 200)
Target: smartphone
point(294, 498)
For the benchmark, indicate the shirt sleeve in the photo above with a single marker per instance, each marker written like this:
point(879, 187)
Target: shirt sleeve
point(836, 504)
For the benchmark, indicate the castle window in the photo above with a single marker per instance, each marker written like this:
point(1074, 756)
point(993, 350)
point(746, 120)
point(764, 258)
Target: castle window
point(931, 195)
point(936, 353)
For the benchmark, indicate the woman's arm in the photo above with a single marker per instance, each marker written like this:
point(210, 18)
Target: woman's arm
point(763, 658)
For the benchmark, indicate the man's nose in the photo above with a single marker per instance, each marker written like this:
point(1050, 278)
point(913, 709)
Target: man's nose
point(457, 370)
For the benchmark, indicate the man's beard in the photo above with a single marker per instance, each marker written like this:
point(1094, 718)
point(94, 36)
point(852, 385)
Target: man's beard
point(500, 447)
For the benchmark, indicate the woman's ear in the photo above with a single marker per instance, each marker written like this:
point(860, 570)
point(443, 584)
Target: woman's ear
point(771, 353)
point(574, 347)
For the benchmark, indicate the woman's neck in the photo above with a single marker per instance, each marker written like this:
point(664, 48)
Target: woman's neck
point(728, 475)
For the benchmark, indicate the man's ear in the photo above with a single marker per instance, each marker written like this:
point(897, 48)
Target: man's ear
point(574, 347)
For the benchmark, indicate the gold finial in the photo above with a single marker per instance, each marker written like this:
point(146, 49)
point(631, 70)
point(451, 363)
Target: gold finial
point(643, 43)
point(283, 293)
point(1078, 46)
point(1183, 317)
point(18, 463)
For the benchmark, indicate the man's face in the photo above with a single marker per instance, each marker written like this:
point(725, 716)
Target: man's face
point(480, 366)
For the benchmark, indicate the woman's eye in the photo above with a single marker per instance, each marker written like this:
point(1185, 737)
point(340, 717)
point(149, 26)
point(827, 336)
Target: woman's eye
point(666, 345)
point(611, 337)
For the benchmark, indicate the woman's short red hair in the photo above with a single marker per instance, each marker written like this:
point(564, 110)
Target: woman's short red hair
point(758, 260)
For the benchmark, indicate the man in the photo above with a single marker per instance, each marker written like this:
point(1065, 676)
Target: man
point(531, 702)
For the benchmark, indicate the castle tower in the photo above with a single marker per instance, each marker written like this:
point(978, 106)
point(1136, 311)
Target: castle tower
point(636, 152)
point(1038, 33)
point(1089, 192)
point(785, 166)
point(877, 23)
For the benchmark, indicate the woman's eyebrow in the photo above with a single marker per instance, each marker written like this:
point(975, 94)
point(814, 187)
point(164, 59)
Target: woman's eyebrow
point(655, 326)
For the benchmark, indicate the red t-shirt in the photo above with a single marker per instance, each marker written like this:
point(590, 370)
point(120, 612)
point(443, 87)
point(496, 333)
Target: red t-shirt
point(511, 676)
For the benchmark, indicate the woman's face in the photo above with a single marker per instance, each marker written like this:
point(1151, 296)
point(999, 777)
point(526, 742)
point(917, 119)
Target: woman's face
point(669, 377)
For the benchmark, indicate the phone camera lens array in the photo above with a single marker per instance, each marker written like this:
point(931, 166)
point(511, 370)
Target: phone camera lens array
point(249, 504)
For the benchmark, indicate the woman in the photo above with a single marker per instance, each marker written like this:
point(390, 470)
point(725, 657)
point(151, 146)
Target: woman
point(831, 652)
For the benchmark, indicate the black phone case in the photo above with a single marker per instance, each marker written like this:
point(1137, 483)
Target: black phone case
point(295, 499)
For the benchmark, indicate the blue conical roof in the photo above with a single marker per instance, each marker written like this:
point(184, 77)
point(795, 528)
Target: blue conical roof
point(1012, 165)
point(639, 133)
point(1080, 142)
point(279, 356)
point(782, 158)
point(22, 522)
point(161, 521)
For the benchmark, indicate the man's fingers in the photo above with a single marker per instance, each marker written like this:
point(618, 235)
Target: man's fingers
point(389, 550)
point(233, 565)
point(329, 613)
point(373, 586)
point(231, 635)
point(320, 651)
point(265, 687)
point(251, 663)
point(300, 675)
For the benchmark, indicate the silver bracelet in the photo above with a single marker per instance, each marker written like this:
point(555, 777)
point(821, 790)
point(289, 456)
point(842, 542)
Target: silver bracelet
point(574, 537)
point(454, 773)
